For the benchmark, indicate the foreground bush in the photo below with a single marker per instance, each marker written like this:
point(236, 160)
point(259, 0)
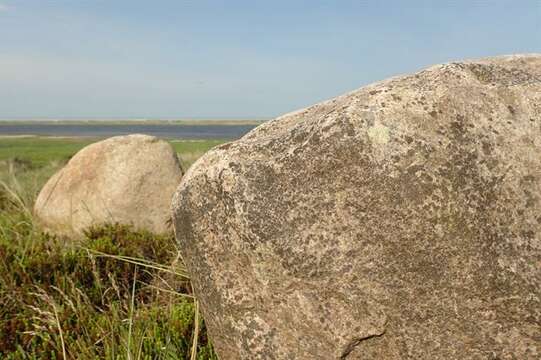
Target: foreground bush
point(112, 295)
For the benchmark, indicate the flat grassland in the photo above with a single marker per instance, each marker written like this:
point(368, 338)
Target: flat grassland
point(44, 150)
point(115, 294)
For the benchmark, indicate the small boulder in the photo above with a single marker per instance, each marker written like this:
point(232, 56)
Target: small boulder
point(399, 221)
point(124, 179)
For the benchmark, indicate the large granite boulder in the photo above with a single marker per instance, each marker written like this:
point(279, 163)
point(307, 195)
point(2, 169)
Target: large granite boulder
point(124, 179)
point(399, 221)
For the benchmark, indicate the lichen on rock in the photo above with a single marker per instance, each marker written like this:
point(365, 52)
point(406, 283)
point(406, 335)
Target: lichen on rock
point(399, 221)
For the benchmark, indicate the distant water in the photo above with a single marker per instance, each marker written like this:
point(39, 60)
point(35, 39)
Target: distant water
point(167, 131)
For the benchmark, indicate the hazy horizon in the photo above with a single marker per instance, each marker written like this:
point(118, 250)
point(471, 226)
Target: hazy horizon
point(105, 119)
point(210, 60)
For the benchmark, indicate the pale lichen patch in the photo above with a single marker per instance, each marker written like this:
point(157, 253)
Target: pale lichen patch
point(379, 134)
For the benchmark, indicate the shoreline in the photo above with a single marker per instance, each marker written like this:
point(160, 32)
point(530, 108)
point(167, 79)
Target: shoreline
point(99, 130)
point(97, 138)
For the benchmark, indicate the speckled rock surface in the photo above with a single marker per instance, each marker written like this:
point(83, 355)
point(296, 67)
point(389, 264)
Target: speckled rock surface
point(399, 221)
point(124, 179)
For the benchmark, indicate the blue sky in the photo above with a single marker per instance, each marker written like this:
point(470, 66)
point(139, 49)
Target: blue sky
point(233, 59)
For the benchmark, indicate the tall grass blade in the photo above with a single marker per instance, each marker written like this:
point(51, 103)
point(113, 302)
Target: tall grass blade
point(132, 305)
point(195, 331)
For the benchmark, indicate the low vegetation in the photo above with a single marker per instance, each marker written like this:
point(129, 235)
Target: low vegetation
point(46, 151)
point(114, 294)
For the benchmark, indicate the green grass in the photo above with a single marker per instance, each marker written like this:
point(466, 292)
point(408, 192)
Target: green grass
point(190, 150)
point(116, 294)
point(40, 151)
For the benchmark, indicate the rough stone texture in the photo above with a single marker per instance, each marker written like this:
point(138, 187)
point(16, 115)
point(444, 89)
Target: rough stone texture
point(124, 179)
point(399, 221)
